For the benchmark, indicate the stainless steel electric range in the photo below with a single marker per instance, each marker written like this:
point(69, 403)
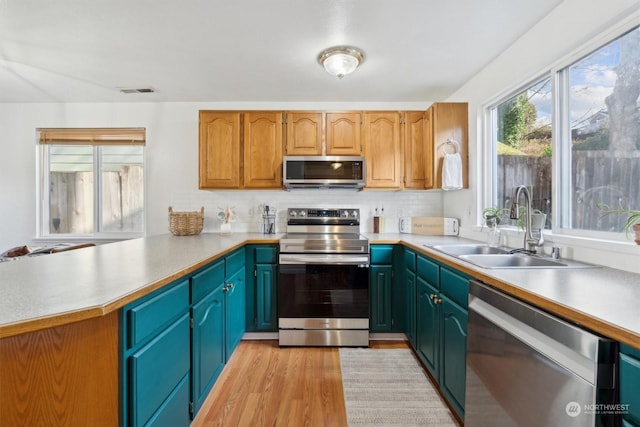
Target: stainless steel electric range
point(323, 287)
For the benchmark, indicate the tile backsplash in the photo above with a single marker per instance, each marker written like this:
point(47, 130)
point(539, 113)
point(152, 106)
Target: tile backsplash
point(249, 219)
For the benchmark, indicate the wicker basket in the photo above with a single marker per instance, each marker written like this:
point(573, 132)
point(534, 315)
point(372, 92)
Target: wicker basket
point(186, 223)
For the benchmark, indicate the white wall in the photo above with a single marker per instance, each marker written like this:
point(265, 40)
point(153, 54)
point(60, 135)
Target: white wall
point(567, 28)
point(171, 167)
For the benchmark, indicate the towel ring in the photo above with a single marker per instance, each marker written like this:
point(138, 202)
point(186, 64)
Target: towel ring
point(450, 143)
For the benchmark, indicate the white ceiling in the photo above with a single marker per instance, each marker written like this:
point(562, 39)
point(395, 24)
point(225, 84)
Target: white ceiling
point(250, 50)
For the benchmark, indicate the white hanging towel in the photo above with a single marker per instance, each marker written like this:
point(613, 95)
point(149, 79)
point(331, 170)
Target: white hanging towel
point(452, 172)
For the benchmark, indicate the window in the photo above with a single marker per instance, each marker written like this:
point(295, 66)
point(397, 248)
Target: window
point(522, 144)
point(76, 201)
point(593, 158)
point(600, 116)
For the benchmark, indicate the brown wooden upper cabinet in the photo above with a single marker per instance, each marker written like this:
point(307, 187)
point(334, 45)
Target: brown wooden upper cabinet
point(382, 149)
point(449, 122)
point(425, 143)
point(343, 134)
point(315, 133)
point(219, 165)
point(244, 149)
point(263, 149)
point(418, 167)
point(304, 134)
point(240, 149)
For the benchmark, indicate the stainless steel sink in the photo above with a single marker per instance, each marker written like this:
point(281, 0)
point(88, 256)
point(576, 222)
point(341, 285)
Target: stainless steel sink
point(490, 257)
point(468, 249)
point(511, 261)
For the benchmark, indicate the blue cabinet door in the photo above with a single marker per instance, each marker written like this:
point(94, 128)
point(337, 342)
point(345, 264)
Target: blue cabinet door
point(208, 353)
point(266, 317)
point(428, 325)
point(234, 311)
point(380, 279)
point(629, 383)
point(156, 371)
point(410, 307)
point(453, 355)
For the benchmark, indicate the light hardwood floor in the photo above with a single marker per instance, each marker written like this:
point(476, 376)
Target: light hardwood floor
point(265, 385)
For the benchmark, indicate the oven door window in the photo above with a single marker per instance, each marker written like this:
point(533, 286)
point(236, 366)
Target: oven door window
point(323, 291)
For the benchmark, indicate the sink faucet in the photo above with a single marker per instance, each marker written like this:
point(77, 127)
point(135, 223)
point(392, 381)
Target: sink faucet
point(530, 242)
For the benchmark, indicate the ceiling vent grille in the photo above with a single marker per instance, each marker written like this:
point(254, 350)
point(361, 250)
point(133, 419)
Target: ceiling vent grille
point(137, 90)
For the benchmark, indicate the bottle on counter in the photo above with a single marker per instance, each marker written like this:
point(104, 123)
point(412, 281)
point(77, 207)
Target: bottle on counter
point(376, 222)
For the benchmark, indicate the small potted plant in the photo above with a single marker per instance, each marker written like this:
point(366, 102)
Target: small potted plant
point(493, 216)
point(633, 219)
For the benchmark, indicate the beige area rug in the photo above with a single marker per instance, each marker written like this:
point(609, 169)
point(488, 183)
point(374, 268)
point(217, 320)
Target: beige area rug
point(387, 387)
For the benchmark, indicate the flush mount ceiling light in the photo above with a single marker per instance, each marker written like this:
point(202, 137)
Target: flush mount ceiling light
point(341, 60)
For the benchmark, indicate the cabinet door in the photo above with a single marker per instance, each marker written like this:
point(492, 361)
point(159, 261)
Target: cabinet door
point(629, 381)
point(343, 134)
point(454, 353)
point(262, 149)
point(219, 165)
point(380, 301)
point(234, 311)
point(266, 298)
point(450, 120)
point(382, 149)
point(410, 304)
point(418, 166)
point(304, 134)
point(208, 356)
point(427, 326)
point(156, 371)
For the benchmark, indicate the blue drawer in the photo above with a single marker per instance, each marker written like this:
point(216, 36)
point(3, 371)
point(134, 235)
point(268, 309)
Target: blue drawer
point(168, 354)
point(381, 254)
point(428, 271)
point(410, 259)
point(206, 281)
point(235, 262)
point(172, 412)
point(266, 254)
point(455, 286)
point(154, 314)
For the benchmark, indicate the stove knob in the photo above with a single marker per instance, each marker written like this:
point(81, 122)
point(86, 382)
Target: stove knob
point(345, 214)
point(293, 214)
point(303, 213)
point(354, 214)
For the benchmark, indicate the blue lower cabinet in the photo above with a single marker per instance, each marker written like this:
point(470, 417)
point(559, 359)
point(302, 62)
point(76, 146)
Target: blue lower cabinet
point(453, 356)
point(176, 341)
point(441, 327)
point(266, 298)
point(428, 326)
point(173, 413)
point(380, 287)
point(410, 307)
point(208, 350)
point(152, 393)
point(629, 384)
point(234, 311)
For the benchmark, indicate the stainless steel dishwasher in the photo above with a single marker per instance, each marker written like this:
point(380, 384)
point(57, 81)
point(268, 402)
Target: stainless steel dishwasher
point(528, 368)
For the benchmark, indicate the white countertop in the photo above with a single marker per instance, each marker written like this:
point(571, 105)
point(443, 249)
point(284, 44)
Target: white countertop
point(55, 289)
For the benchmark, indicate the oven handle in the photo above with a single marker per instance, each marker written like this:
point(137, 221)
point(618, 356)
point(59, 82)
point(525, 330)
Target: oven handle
point(326, 259)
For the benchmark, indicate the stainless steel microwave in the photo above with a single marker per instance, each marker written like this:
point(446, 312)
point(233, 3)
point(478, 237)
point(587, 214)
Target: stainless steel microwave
point(324, 172)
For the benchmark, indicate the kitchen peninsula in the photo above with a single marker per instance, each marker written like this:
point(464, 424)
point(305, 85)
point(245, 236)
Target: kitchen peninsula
point(60, 314)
